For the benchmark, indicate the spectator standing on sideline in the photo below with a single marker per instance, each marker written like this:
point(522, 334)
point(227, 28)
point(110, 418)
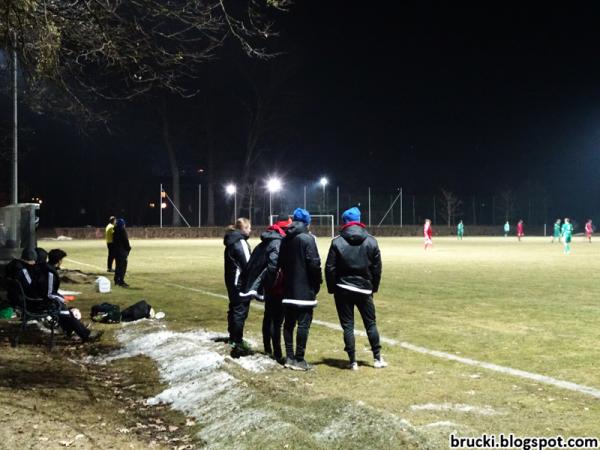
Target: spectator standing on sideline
point(109, 231)
point(353, 274)
point(506, 229)
point(263, 280)
point(301, 266)
point(121, 250)
point(237, 255)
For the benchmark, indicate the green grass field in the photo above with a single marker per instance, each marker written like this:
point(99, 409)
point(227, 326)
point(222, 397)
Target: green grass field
point(521, 305)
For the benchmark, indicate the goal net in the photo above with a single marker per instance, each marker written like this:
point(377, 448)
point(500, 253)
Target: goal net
point(322, 225)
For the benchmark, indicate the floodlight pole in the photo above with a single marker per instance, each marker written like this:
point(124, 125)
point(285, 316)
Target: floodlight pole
point(160, 203)
point(15, 160)
point(270, 205)
point(337, 208)
point(235, 205)
point(304, 197)
point(199, 205)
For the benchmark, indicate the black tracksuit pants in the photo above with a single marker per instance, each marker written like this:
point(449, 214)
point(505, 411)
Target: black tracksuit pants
point(302, 316)
point(70, 324)
point(236, 319)
point(345, 301)
point(271, 327)
point(111, 255)
point(120, 267)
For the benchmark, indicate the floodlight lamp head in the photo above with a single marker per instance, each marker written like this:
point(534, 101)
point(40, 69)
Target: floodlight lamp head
point(230, 189)
point(324, 181)
point(274, 184)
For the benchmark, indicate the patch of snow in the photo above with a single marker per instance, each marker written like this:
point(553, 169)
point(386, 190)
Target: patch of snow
point(455, 407)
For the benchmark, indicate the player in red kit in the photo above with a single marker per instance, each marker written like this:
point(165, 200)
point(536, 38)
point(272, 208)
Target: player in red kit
point(589, 229)
point(520, 232)
point(427, 232)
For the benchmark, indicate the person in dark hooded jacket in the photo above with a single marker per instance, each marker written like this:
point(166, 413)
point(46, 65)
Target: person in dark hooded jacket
point(237, 255)
point(301, 266)
point(262, 280)
point(353, 274)
point(121, 249)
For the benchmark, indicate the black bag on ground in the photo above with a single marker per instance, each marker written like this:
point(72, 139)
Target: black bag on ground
point(106, 313)
point(141, 310)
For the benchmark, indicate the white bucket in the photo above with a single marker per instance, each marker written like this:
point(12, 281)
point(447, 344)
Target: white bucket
point(102, 285)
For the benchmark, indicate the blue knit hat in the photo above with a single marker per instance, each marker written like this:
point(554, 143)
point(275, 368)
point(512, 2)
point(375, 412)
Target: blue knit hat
point(351, 215)
point(120, 223)
point(301, 215)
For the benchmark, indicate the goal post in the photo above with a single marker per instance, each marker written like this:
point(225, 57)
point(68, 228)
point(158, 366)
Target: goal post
point(328, 218)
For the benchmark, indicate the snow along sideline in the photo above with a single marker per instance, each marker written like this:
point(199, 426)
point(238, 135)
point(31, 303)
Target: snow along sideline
point(202, 383)
point(585, 390)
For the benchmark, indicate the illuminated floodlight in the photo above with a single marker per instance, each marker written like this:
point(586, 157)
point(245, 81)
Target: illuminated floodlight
point(230, 189)
point(274, 184)
point(163, 205)
point(323, 181)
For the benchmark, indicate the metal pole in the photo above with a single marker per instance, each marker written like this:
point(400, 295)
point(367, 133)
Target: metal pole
point(160, 203)
point(369, 207)
point(401, 217)
point(270, 207)
point(304, 197)
point(199, 205)
point(337, 208)
point(15, 161)
point(235, 205)
point(414, 215)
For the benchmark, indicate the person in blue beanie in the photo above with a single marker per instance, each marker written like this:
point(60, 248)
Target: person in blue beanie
point(300, 264)
point(353, 274)
point(121, 249)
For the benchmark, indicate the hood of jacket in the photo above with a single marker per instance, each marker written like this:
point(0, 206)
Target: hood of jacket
point(295, 228)
point(269, 235)
point(231, 237)
point(354, 233)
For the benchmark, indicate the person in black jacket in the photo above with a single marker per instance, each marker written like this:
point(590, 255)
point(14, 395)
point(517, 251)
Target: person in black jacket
point(22, 270)
point(47, 286)
point(121, 249)
point(237, 255)
point(301, 266)
point(263, 281)
point(353, 273)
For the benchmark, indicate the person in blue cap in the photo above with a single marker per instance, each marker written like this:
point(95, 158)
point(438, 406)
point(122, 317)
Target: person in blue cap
point(300, 265)
point(121, 249)
point(353, 274)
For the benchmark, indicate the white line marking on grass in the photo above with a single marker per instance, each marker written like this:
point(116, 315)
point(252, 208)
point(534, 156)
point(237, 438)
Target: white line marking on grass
point(586, 390)
point(457, 407)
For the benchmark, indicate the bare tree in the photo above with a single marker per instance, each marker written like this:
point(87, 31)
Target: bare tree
point(450, 206)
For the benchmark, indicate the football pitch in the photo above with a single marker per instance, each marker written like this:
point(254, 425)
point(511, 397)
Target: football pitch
point(484, 335)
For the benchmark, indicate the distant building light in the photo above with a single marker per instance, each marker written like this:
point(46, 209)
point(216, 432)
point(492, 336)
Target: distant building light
point(151, 205)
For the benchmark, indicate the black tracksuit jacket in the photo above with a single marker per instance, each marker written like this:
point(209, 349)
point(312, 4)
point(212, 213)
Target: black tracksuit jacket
point(261, 271)
point(121, 245)
point(237, 254)
point(301, 266)
point(354, 262)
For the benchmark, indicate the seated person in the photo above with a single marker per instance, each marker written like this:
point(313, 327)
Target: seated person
point(22, 271)
point(48, 283)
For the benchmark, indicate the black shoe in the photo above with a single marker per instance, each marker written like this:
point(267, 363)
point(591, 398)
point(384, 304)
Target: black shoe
point(109, 270)
point(123, 284)
point(93, 336)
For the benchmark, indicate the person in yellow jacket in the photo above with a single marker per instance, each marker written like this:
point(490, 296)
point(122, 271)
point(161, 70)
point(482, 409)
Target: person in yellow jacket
point(108, 234)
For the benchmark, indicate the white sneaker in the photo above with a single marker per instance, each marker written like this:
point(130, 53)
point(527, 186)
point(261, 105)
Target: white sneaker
point(353, 366)
point(379, 363)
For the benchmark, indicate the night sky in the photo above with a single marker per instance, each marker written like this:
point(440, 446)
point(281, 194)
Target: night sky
point(474, 99)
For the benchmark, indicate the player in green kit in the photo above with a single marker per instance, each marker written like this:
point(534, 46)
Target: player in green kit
point(460, 230)
point(556, 234)
point(506, 228)
point(567, 234)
